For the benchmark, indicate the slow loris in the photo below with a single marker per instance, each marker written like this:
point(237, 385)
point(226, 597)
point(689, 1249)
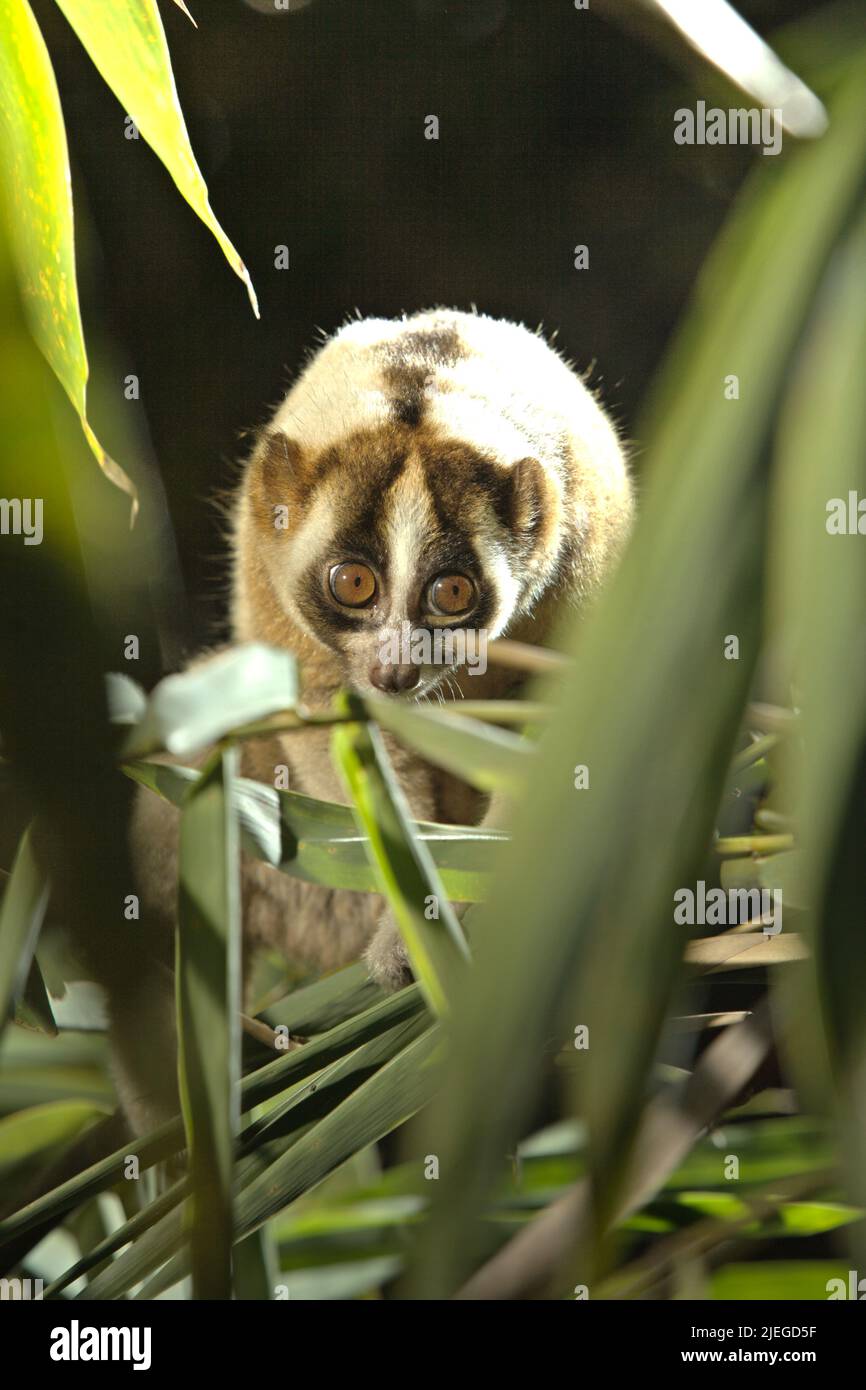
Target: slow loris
point(446, 470)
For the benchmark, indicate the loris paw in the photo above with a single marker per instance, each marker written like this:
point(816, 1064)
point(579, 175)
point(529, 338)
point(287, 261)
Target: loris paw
point(386, 958)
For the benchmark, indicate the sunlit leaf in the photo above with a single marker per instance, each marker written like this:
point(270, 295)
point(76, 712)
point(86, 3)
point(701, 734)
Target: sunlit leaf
point(36, 189)
point(27, 1137)
point(403, 865)
point(778, 1279)
point(186, 712)
point(128, 45)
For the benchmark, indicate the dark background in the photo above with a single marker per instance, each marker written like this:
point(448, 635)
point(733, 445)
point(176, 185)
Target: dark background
point(556, 128)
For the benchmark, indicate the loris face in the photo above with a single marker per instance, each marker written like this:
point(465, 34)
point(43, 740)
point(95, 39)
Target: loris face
point(395, 532)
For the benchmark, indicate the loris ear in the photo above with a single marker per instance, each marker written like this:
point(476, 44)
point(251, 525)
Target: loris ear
point(279, 462)
point(276, 480)
point(533, 502)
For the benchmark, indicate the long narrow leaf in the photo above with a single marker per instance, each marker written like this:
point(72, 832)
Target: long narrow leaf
point(128, 45)
point(25, 900)
point(404, 867)
point(650, 708)
point(821, 610)
point(486, 757)
point(208, 991)
point(320, 842)
point(34, 160)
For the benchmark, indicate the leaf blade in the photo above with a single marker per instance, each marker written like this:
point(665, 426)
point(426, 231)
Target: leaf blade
point(37, 187)
point(127, 44)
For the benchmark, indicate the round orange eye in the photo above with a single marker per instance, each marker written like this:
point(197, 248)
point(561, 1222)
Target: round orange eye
point(451, 594)
point(352, 585)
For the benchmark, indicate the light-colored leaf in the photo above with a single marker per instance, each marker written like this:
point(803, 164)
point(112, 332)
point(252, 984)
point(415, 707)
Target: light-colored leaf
point(189, 711)
point(736, 950)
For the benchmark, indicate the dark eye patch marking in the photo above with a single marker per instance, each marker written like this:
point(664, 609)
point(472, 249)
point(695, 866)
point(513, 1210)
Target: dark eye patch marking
point(327, 621)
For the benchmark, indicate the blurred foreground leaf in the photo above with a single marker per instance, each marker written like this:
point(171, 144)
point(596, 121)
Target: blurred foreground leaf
point(651, 708)
point(36, 185)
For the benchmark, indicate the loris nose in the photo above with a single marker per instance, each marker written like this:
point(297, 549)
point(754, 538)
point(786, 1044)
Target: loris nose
point(394, 678)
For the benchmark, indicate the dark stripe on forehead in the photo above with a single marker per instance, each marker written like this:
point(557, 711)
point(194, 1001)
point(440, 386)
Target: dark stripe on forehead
point(368, 511)
point(406, 385)
point(409, 360)
point(440, 345)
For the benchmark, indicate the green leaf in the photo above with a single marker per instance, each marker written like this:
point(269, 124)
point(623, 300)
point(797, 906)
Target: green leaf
point(319, 841)
point(338, 1063)
point(208, 991)
point(187, 712)
point(21, 915)
point(349, 1038)
point(128, 45)
point(34, 1008)
point(358, 1213)
point(33, 1135)
point(351, 1279)
point(767, 1150)
point(255, 1266)
point(820, 607)
point(800, 1280)
point(651, 707)
point(787, 1219)
point(486, 757)
point(773, 873)
point(325, 1003)
point(35, 1069)
point(402, 863)
point(394, 1093)
point(37, 192)
point(331, 1091)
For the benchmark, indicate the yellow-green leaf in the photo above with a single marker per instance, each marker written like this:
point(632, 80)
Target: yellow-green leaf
point(128, 45)
point(36, 189)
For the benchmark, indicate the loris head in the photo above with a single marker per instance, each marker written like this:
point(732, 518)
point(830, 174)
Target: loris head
point(387, 534)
